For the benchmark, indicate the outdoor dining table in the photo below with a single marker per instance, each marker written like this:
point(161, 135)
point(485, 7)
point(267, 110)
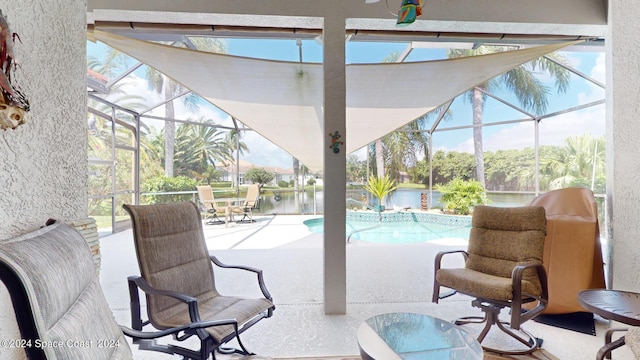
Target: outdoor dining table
point(229, 203)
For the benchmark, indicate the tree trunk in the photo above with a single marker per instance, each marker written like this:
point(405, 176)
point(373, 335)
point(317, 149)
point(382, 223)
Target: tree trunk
point(477, 135)
point(296, 174)
point(379, 158)
point(169, 131)
point(296, 182)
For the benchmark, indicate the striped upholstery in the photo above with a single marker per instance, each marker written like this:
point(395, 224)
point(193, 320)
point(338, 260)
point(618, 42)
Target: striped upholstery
point(56, 269)
point(172, 255)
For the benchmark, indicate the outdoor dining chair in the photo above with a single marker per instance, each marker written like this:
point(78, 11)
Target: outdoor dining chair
point(208, 203)
point(251, 202)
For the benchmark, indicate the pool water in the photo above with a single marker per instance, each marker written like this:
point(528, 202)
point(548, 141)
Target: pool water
point(395, 232)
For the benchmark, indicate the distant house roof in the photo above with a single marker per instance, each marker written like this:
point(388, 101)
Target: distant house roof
point(245, 166)
point(97, 82)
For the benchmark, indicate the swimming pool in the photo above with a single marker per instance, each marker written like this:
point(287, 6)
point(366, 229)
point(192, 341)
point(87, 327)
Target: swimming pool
point(400, 229)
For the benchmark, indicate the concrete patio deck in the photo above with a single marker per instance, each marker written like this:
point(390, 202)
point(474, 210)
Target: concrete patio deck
point(380, 279)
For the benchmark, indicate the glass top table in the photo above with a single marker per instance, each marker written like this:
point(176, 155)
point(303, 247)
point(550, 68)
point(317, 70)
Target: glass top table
point(411, 336)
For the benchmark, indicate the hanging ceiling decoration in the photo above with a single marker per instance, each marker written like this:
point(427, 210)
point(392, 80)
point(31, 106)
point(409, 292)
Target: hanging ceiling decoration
point(409, 11)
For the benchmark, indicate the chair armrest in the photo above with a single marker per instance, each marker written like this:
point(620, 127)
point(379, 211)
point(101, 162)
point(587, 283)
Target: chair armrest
point(441, 254)
point(516, 277)
point(435, 297)
point(516, 280)
point(258, 272)
point(147, 335)
point(208, 202)
point(191, 301)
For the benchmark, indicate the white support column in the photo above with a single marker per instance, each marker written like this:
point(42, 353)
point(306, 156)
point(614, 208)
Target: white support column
point(623, 152)
point(335, 272)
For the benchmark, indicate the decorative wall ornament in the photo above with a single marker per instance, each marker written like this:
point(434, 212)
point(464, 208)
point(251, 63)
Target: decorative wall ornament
point(335, 142)
point(13, 103)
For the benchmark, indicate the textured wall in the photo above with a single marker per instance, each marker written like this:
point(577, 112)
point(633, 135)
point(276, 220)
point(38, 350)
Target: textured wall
point(43, 164)
point(623, 108)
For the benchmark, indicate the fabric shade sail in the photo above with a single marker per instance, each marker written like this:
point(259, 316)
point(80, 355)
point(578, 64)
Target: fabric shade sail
point(283, 101)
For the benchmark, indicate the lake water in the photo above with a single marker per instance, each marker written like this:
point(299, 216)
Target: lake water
point(309, 202)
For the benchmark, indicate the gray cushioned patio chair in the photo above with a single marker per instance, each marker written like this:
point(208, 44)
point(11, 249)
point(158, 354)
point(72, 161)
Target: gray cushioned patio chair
point(177, 277)
point(57, 297)
point(58, 301)
point(503, 269)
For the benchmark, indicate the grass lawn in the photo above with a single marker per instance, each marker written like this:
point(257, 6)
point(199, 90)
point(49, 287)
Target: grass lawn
point(104, 222)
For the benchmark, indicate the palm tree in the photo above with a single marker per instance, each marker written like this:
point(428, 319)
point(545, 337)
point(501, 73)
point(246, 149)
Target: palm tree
point(198, 147)
point(579, 162)
point(163, 85)
point(233, 142)
point(529, 90)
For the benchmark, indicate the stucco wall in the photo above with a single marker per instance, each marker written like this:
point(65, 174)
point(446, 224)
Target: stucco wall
point(623, 129)
point(43, 164)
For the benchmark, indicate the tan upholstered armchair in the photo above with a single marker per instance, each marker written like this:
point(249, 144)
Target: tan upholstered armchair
point(177, 277)
point(503, 269)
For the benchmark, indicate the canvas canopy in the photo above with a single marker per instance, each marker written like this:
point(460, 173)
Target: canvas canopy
point(283, 101)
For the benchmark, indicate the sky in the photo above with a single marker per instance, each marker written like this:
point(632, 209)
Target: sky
point(553, 131)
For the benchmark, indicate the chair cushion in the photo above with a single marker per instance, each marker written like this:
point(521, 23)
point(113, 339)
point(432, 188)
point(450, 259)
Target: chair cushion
point(502, 238)
point(216, 307)
point(56, 268)
point(171, 254)
point(482, 285)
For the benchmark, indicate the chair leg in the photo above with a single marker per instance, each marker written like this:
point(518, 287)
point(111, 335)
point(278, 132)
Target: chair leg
point(491, 318)
point(247, 214)
point(213, 219)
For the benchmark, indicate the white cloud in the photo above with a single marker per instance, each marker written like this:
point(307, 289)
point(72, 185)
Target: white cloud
point(593, 91)
point(465, 146)
point(599, 70)
point(263, 152)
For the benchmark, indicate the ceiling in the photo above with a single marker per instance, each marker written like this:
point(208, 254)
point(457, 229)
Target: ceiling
point(495, 21)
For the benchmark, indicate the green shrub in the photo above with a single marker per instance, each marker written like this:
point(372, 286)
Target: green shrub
point(460, 195)
point(283, 184)
point(160, 184)
point(311, 181)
